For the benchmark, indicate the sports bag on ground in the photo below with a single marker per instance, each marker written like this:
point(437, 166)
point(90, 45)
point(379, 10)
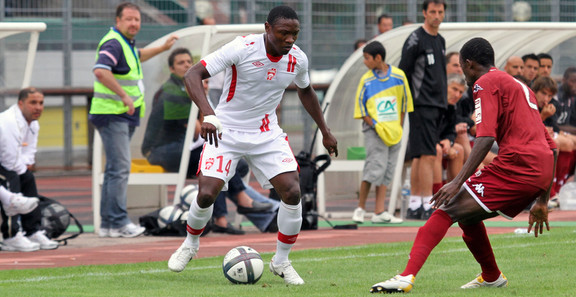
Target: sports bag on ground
point(56, 219)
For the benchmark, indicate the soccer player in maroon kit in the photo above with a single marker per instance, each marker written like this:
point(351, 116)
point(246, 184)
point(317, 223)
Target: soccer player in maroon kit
point(506, 112)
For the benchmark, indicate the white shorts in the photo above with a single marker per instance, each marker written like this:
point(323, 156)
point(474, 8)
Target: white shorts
point(268, 154)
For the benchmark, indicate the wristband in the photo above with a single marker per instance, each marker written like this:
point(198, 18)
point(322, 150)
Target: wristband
point(212, 119)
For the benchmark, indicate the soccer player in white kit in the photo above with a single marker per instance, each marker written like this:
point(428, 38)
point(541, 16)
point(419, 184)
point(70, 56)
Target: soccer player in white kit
point(258, 70)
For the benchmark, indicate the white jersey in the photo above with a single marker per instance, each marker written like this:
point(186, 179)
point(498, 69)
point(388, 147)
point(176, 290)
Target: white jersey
point(255, 82)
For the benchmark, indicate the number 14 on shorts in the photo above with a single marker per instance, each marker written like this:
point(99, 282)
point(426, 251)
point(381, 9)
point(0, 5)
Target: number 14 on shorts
point(219, 163)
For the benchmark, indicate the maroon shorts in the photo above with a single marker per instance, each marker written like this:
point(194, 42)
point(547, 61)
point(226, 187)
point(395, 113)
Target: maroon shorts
point(504, 195)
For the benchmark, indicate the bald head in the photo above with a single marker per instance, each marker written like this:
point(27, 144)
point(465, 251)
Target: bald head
point(514, 65)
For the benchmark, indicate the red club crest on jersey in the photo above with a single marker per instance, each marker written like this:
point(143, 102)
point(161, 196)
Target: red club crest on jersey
point(258, 64)
point(271, 74)
point(209, 163)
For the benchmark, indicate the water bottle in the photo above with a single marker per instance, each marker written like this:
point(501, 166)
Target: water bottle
point(405, 198)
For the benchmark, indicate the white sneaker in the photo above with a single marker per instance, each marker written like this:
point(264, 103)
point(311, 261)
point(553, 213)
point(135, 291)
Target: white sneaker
point(20, 204)
point(397, 284)
point(478, 282)
point(287, 272)
point(181, 257)
point(104, 232)
point(19, 243)
point(45, 243)
point(130, 230)
point(385, 217)
point(358, 215)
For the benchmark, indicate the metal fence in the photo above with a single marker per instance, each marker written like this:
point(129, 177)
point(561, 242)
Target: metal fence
point(329, 29)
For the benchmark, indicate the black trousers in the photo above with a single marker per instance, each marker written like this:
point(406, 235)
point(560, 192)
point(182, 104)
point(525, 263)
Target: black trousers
point(26, 184)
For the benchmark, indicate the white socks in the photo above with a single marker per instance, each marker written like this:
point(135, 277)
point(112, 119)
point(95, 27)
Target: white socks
point(415, 202)
point(289, 224)
point(197, 220)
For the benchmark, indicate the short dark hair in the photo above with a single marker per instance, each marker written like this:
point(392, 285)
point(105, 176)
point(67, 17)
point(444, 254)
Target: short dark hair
point(529, 57)
point(479, 50)
point(24, 93)
point(375, 48)
point(176, 52)
point(120, 8)
point(449, 56)
point(427, 2)
point(570, 70)
point(281, 12)
point(383, 16)
point(544, 56)
point(544, 82)
point(358, 42)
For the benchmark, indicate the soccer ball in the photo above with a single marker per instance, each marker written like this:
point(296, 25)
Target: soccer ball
point(169, 214)
point(187, 196)
point(243, 265)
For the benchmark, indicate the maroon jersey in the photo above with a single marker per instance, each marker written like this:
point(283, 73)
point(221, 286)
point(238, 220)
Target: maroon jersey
point(506, 109)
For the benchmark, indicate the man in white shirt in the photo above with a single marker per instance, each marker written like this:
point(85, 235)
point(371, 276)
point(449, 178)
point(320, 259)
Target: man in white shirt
point(258, 70)
point(18, 141)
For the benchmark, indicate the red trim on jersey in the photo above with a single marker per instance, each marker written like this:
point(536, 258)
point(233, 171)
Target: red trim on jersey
point(232, 83)
point(193, 231)
point(273, 58)
point(291, 63)
point(203, 62)
point(287, 239)
point(265, 124)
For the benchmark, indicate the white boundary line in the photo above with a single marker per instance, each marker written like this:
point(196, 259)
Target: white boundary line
point(151, 271)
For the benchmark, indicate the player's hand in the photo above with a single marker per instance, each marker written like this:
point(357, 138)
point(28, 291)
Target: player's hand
point(330, 143)
point(538, 218)
point(210, 133)
point(129, 103)
point(445, 194)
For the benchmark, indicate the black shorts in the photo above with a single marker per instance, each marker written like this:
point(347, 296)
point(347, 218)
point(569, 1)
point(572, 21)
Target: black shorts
point(424, 134)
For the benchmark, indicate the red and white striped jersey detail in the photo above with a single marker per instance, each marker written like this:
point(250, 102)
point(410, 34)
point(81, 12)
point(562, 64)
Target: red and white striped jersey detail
point(291, 63)
point(233, 82)
point(265, 124)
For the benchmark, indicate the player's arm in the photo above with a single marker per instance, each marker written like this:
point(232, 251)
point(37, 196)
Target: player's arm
point(481, 147)
point(539, 211)
point(211, 127)
point(310, 102)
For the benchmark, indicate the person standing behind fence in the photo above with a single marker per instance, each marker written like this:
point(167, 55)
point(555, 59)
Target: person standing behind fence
point(115, 111)
point(423, 61)
point(18, 141)
point(382, 99)
point(259, 67)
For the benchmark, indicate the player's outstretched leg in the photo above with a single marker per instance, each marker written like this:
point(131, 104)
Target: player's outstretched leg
point(197, 220)
point(289, 222)
point(397, 284)
point(478, 282)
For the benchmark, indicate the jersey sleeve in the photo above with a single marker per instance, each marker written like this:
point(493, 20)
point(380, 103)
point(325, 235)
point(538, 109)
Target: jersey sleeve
point(486, 109)
point(408, 102)
point(109, 55)
point(225, 57)
point(359, 107)
point(302, 79)
point(409, 55)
